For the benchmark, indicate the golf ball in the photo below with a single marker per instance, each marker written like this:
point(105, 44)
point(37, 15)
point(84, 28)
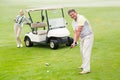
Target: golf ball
point(47, 70)
point(47, 64)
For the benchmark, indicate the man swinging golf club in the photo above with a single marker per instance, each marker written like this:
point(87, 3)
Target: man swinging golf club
point(82, 30)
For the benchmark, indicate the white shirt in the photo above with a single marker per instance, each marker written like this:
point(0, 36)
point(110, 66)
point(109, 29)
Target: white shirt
point(20, 20)
point(82, 21)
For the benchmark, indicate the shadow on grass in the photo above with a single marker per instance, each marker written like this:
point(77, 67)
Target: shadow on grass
point(45, 46)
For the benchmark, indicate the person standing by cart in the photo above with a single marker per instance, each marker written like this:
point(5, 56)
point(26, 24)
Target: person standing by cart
point(19, 20)
point(82, 30)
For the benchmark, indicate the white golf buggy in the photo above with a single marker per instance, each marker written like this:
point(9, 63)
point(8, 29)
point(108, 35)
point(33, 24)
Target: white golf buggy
point(48, 27)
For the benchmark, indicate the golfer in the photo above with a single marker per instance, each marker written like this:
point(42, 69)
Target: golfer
point(18, 27)
point(82, 30)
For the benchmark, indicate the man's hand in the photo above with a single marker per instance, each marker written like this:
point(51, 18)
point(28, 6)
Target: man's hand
point(73, 44)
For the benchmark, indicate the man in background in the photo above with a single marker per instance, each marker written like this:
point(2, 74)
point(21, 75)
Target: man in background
point(19, 20)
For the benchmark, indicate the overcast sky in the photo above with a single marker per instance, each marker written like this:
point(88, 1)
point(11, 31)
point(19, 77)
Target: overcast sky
point(62, 2)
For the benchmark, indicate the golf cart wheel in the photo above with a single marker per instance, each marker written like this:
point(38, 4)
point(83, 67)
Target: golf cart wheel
point(70, 41)
point(28, 42)
point(54, 44)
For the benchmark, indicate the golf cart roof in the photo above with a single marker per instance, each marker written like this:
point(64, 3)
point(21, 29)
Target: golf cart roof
point(44, 8)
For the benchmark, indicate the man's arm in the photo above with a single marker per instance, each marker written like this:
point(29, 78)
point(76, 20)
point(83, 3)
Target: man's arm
point(78, 33)
point(76, 36)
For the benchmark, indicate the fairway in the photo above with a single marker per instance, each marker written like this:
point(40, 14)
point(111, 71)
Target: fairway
point(30, 63)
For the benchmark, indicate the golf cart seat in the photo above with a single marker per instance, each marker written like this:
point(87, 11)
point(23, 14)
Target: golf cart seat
point(42, 32)
point(38, 25)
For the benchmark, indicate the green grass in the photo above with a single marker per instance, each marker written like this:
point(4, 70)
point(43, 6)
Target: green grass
point(29, 63)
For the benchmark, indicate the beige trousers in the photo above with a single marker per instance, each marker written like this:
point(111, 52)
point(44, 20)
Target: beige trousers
point(86, 48)
point(17, 29)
